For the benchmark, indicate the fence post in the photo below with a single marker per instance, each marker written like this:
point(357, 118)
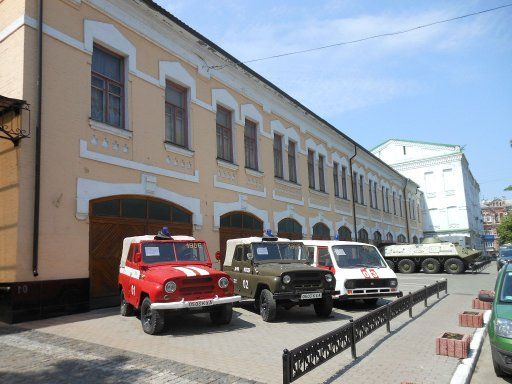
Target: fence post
point(286, 367)
point(426, 295)
point(388, 318)
point(353, 340)
point(446, 287)
point(437, 287)
point(410, 305)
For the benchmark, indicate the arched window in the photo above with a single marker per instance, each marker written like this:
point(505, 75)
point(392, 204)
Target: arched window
point(377, 238)
point(321, 232)
point(362, 236)
point(389, 237)
point(241, 220)
point(415, 239)
point(401, 239)
point(290, 229)
point(344, 234)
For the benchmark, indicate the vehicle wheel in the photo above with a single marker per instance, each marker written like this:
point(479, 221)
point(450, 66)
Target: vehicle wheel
point(406, 266)
point(497, 369)
point(222, 315)
point(390, 264)
point(126, 308)
point(371, 302)
point(153, 321)
point(454, 266)
point(431, 265)
point(268, 307)
point(323, 306)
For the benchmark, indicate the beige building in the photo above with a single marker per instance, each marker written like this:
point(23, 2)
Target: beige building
point(144, 123)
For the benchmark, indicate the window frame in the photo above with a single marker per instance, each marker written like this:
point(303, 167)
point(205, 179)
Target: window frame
point(254, 126)
point(354, 187)
point(184, 91)
point(292, 161)
point(311, 168)
point(335, 179)
point(321, 173)
point(278, 156)
point(344, 182)
point(229, 129)
point(361, 188)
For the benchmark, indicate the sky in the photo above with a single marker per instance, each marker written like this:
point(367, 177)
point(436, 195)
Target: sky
point(450, 83)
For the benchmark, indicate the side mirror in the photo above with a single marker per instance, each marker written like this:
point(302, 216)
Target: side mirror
point(218, 256)
point(487, 297)
point(137, 257)
point(249, 256)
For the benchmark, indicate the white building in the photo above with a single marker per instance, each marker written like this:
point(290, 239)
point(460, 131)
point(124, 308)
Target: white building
point(451, 209)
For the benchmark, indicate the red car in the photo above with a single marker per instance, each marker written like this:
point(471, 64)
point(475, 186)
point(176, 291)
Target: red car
point(163, 273)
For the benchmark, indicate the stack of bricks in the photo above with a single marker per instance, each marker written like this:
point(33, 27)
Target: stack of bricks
point(471, 319)
point(454, 347)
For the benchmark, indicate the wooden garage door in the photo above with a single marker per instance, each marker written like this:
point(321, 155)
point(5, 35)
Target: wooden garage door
point(234, 225)
point(113, 219)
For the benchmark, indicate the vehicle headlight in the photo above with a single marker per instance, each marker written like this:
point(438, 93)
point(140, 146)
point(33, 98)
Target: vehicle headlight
point(393, 283)
point(223, 282)
point(328, 277)
point(287, 279)
point(170, 287)
point(503, 328)
point(350, 284)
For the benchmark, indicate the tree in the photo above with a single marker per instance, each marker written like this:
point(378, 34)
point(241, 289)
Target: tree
point(505, 230)
point(509, 188)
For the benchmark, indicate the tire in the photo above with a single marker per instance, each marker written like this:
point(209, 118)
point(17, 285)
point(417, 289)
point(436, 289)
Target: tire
point(391, 264)
point(454, 266)
point(497, 369)
point(323, 306)
point(371, 302)
point(153, 321)
point(406, 266)
point(268, 306)
point(222, 315)
point(126, 308)
point(431, 265)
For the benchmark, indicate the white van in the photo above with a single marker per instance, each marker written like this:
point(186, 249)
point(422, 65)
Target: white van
point(360, 270)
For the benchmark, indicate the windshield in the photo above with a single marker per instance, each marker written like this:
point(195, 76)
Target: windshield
point(506, 288)
point(506, 253)
point(163, 252)
point(354, 256)
point(288, 252)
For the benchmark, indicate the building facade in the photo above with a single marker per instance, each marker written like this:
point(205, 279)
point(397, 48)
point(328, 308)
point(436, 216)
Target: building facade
point(493, 212)
point(451, 193)
point(145, 123)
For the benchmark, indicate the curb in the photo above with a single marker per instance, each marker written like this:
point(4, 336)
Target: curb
point(465, 369)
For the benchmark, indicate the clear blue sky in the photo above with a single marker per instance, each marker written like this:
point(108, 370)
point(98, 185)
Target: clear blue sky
point(451, 83)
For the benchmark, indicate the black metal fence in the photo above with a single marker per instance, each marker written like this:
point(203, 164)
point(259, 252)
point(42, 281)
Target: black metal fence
point(303, 359)
point(481, 263)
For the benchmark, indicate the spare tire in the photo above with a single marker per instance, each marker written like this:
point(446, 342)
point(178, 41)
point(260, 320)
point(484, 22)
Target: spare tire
point(406, 266)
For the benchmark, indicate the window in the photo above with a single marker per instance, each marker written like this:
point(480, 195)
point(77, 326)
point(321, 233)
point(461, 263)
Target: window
point(429, 183)
point(405, 152)
point(389, 237)
point(376, 201)
point(362, 236)
point(311, 168)
point(335, 179)
point(344, 182)
point(394, 203)
point(401, 239)
point(176, 131)
point(107, 87)
point(452, 215)
point(448, 180)
point(400, 205)
point(377, 238)
point(383, 199)
point(354, 187)
point(250, 144)
point(292, 164)
point(278, 156)
point(224, 135)
point(344, 234)
point(387, 201)
point(361, 188)
point(321, 177)
point(370, 193)
point(321, 232)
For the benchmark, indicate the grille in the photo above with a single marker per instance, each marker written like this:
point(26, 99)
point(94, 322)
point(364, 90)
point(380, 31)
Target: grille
point(306, 280)
point(370, 283)
point(196, 285)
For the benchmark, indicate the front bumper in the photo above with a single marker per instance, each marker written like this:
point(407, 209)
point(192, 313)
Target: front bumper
point(196, 303)
point(502, 358)
point(297, 295)
point(369, 295)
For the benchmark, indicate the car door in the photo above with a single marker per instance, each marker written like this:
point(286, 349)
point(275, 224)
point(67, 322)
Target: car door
point(324, 258)
point(236, 264)
point(246, 271)
point(131, 278)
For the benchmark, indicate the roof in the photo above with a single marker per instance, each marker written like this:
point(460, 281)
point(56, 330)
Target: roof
point(154, 6)
point(415, 142)
point(8, 104)
point(332, 242)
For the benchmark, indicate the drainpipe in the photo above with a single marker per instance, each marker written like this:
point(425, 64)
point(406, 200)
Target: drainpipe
point(406, 212)
point(352, 191)
point(37, 183)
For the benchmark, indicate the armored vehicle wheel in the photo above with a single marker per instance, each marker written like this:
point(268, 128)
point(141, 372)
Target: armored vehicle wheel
point(390, 264)
point(406, 266)
point(222, 315)
point(153, 321)
point(323, 306)
point(126, 308)
point(454, 266)
point(268, 307)
point(431, 265)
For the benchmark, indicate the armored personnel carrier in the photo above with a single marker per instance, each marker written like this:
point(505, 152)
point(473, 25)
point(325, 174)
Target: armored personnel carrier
point(431, 255)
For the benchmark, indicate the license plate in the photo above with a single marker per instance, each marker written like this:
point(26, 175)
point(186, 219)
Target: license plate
point(315, 295)
point(200, 303)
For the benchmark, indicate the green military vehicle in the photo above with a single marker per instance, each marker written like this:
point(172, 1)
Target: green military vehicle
point(274, 272)
point(432, 255)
